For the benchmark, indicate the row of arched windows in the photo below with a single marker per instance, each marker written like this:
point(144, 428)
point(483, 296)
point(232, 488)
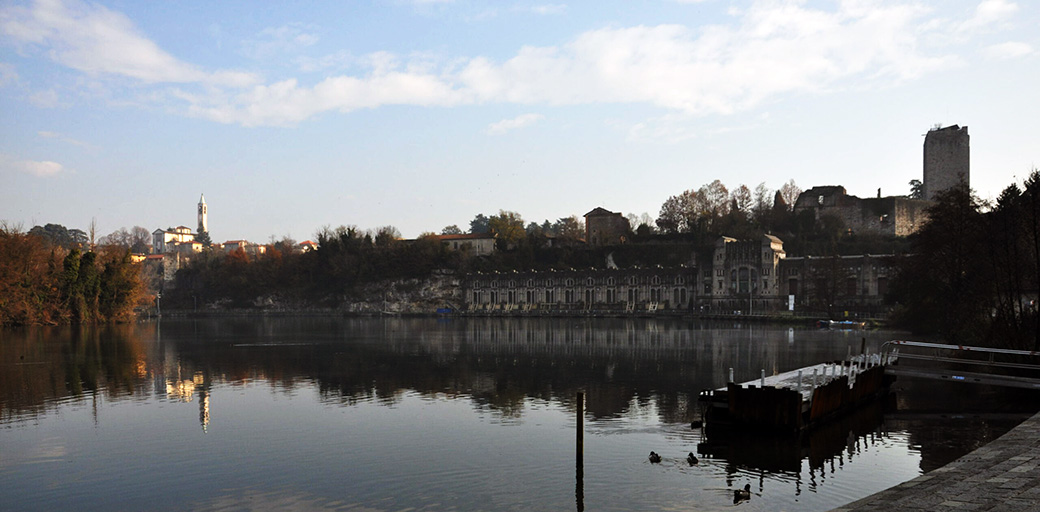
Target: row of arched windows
point(570, 282)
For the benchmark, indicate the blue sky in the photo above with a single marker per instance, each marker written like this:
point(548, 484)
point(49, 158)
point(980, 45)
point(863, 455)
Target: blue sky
point(420, 114)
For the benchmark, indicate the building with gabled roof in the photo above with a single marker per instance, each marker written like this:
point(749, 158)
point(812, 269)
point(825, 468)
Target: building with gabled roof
point(604, 227)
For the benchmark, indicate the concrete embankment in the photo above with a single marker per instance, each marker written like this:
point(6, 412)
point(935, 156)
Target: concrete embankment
point(1004, 475)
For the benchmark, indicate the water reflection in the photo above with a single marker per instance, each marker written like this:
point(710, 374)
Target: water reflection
point(498, 362)
point(639, 380)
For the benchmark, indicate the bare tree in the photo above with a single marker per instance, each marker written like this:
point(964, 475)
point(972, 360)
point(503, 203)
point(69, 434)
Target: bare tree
point(790, 192)
point(762, 201)
point(742, 200)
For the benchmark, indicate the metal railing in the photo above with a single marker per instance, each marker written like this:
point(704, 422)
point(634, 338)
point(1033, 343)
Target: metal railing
point(990, 362)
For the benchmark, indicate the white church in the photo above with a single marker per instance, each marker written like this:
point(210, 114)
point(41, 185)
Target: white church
point(180, 239)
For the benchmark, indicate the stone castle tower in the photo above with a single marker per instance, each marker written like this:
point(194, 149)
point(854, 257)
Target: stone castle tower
point(203, 225)
point(946, 159)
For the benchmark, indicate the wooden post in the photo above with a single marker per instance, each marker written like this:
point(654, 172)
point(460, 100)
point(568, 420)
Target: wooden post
point(730, 375)
point(580, 422)
point(579, 465)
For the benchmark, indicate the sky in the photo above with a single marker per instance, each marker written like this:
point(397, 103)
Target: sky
point(290, 116)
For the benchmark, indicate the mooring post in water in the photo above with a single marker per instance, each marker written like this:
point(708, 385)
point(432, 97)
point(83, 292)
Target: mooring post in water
point(863, 346)
point(579, 466)
point(730, 375)
point(814, 377)
point(580, 422)
point(799, 381)
point(762, 383)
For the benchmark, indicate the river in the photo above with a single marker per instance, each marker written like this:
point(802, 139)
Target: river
point(392, 414)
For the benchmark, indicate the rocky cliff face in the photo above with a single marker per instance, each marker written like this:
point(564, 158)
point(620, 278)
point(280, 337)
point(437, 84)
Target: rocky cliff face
point(405, 296)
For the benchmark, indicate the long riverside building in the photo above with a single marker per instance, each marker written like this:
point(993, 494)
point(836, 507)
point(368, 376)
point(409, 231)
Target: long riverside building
point(743, 276)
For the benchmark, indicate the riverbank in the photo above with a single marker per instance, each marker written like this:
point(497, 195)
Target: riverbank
point(1002, 475)
point(776, 319)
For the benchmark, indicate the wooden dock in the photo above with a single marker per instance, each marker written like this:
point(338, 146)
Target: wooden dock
point(798, 399)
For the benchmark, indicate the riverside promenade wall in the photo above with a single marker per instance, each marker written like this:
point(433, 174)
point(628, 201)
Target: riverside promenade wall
point(1004, 475)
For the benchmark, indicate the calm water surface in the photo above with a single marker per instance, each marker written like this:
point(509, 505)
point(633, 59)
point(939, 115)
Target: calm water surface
point(419, 414)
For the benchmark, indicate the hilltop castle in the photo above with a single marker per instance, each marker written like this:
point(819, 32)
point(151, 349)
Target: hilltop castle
point(946, 163)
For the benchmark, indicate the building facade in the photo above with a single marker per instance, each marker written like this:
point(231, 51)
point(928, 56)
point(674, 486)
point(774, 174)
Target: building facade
point(743, 277)
point(476, 244)
point(166, 240)
point(839, 284)
point(591, 290)
point(604, 227)
point(744, 274)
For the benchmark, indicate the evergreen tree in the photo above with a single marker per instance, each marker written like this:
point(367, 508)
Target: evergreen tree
point(203, 238)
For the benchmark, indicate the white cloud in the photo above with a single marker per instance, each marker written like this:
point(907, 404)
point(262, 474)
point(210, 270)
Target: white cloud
point(988, 13)
point(274, 41)
point(520, 121)
point(43, 169)
point(45, 99)
point(773, 49)
point(1009, 50)
point(95, 40)
point(549, 9)
point(766, 51)
point(64, 138)
point(339, 60)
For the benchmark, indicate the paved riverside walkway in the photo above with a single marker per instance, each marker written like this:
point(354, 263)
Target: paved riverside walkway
point(1004, 475)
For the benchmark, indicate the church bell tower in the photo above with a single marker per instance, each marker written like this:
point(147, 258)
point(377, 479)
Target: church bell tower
point(203, 226)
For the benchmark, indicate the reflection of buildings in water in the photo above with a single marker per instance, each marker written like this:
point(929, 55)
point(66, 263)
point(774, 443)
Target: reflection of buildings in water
point(616, 360)
point(183, 389)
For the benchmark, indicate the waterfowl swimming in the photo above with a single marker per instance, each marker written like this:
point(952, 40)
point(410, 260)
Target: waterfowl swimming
point(740, 495)
point(691, 459)
point(654, 457)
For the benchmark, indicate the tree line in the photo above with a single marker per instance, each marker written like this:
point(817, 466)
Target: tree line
point(973, 272)
point(44, 283)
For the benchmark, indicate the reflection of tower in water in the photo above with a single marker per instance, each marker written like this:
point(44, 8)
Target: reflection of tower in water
point(204, 407)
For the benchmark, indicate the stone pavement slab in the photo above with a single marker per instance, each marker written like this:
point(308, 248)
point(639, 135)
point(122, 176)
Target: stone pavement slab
point(1004, 475)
